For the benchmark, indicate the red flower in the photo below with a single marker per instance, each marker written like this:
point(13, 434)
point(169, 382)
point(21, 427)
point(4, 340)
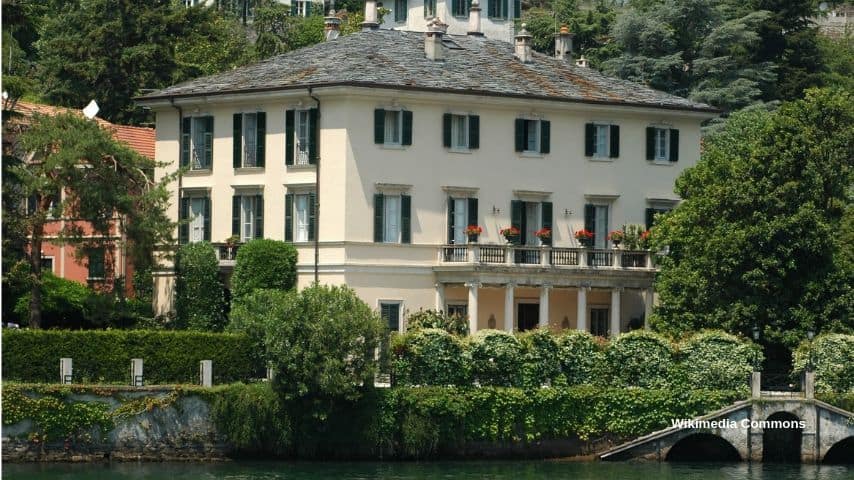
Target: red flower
point(474, 230)
point(543, 233)
point(584, 234)
point(510, 232)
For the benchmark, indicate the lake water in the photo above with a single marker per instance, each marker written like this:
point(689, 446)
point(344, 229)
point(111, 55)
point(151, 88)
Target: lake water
point(496, 470)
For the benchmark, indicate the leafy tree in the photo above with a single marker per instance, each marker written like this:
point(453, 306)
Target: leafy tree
point(453, 324)
point(263, 263)
point(589, 27)
point(760, 239)
point(99, 179)
point(199, 294)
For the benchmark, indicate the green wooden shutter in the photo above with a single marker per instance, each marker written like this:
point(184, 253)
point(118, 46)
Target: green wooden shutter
point(649, 215)
point(589, 140)
point(259, 216)
point(451, 217)
point(545, 136)
point(615, 141)
point(289, 137)
point(235, 215)
point(184, 217)
point(590, 217)
point(650, 143)
point(520, 135)
point(474, 132)
point(186, 131)
point(490, 8)
point(472, 213)
point(208, 159)
point(260, 138)
point(308, 8)
point(289, 217)
point(517, 212)
point(517, 9)
point(293, 8)
point(379, 126)
point(674, 145)
point(237, 140)
point(446, 130)
point(313, 135)
point(379, 213)
point(546, 213)
point(503, 7)
point(405, 219)
point(312, 216)
point(406, 137)
point(207, 219)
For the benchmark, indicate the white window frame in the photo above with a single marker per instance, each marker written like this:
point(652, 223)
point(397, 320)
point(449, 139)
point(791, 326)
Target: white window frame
point(459, 138)
point(301, 234)
point(196, 219)
point(301, 7)
point(537, 135)
point(389, 128)
point(302, 128)
point(460, 228)
point(247, 217)
point(661, 155)
point(598, 129)
point(387, 217)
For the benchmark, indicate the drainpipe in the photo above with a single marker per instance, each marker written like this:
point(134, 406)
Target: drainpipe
point(316, 193)
point(180, 176)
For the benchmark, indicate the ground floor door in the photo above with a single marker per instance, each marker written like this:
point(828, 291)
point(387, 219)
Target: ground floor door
point(528, 315)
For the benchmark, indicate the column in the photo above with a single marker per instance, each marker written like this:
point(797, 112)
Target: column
point(440, 297)
point(616, 295)
point(581, 317)
point(508, 307)
point(544, 305)
point(472, 307)
point(648, 299)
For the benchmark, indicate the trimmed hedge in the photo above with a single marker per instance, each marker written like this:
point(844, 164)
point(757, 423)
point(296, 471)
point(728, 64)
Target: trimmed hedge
point(199, 294)
point(640, 359)
point(715, 359)
point(264, 263)
point(582, 357)
point(103, 356)
point(833, 360)
point(496, 358)
point(431, 357)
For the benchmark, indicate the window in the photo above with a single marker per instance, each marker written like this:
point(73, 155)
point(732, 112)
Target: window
point(301, 134)
point(599, 322)
point(596, 221)
point(300, 217)
point(249, 131)
point(532, 136)
point(392, 218)
point(429, 8)
point(392, 127)
point(460, 8)
point(460, 132)
point(47, 264)
point(301, 8)
point(651, 212)
point(197, 142)
point(247, 217)
point(390, 314)
point(497, 9)
point(462, 212)
point(96, 263)
point(662, 144)
point(528, 217)
point(458, 309)
point(400, 10)
point(195, 216)
point(602, 140)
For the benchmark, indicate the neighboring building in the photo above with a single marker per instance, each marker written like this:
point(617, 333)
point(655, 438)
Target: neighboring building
point(496, 16)
point(836, 21)
point(372, 152)
point(98, 267)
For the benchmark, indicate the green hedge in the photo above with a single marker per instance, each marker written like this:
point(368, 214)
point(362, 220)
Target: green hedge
point(832, 356)
point(103, 356)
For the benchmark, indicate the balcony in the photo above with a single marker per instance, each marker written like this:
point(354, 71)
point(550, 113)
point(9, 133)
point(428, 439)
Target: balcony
point(522, 255)
point(226, 254)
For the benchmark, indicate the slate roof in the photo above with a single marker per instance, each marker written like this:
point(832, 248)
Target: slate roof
point(396, 59)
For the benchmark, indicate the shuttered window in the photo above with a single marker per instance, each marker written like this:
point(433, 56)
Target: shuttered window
point(400, 10)
point(533, 136)
point(392, 127)
point(390, 314)
point(429, 8)
point(662, 144)
point(96, 263)
point(528, 217)
point(460, 8)
point(497, 9)
point(247, 217)
point(300, 217)
point(461, 132)
point(601, 140)
point(302, 131)
point(197, 142)
point(392, 218)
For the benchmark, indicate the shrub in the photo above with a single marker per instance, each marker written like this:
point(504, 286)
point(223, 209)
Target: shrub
point(717, 360)
point(263, 263)
point(540, 358)
point(253, 418)
point(104, 356)
point(453, 324)
point(582, 357)
point(324, 343)
point(434, 357)
point(496, 358)
point(16, 283)
point(252, 316)
point(63, 303)
point(832, 359)
point(640, 359)
point(199, 295)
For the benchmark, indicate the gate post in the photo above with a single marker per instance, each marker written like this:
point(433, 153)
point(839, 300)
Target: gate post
point(755, 384)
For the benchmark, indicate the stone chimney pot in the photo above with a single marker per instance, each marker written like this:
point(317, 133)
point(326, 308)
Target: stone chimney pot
point(563, 43)
point(474, 19)
point(371, 18)
point(331, 25)
point(433, 47)
point(523, 45)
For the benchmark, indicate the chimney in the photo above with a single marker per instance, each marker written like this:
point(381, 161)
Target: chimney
point(370, 22)
point(563, 43)
point(433, 47)
point(581, 62)
point(474, 19)
point(523, 45)
point(330, 26)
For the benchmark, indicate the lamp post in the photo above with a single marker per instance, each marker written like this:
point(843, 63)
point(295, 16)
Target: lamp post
point(810, 336)
point(756, 332)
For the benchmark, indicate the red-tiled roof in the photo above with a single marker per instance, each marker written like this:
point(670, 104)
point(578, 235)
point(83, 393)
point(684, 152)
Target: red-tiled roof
point(140, 139)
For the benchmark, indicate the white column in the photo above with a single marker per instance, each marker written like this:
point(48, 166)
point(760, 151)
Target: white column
point(440, 297)
point(508, 307)
point(616, 295)
point(544, 305)
point(472, 307)
point(206, 373)
point(648, 299)
point(581, 319)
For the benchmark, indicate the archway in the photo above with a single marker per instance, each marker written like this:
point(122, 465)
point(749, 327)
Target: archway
point(781, 439)
point(841, 453)
point(703, 447)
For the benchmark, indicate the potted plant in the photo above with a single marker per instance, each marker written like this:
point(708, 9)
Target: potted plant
point(644, 240)
point(230, 243)
point(545, 235)
point(616, 237)
point(473, 231)
point(510, 233)
point(585, 237)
